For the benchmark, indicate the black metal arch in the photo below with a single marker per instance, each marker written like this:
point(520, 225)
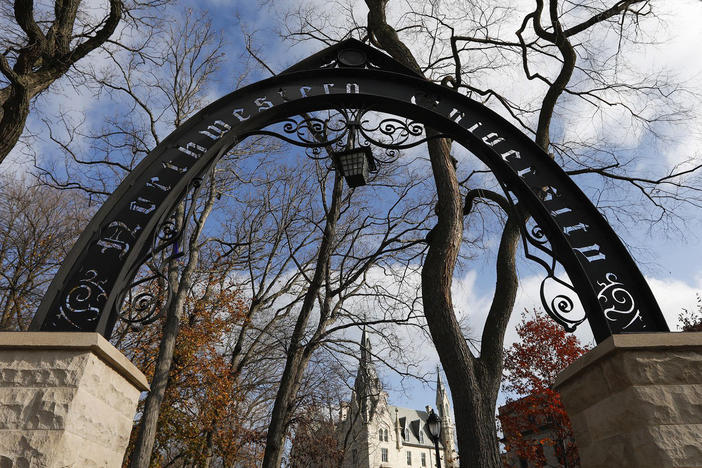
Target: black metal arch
point(87, 292)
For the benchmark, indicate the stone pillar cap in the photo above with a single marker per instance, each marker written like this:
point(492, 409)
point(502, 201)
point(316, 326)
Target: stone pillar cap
point(87, 341)
point(630, 341)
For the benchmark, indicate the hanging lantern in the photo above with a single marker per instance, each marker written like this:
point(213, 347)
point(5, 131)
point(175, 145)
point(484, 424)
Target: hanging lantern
point(355, 165)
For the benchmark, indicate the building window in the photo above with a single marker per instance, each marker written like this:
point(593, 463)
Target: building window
point(386, 435)
point(406, 434)
point(409, 458)
point(384, 454)
point(421, 436)
point(380, 434)
point(424, 459)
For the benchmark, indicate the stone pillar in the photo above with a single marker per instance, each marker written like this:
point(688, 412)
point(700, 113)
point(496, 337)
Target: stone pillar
point(66, 400)
point(636, 401)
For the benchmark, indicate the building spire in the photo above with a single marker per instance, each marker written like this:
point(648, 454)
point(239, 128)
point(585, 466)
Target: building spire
point(443, 408)
point(441, 396)
point(367, 385)
point(365, 348)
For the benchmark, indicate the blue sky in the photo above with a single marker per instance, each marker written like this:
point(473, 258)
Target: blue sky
point(669, 258)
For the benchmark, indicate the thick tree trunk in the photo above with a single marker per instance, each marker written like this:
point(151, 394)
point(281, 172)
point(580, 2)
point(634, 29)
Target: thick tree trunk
point(289, 385)
point(141, 455)
point(209, 449)
point(473, 406)
point(15, 111)
point(475, 398)
point(474, 382)
point(475, 430)
point(44, 57)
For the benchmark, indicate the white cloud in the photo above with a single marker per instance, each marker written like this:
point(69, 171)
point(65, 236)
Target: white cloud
point(674, 295)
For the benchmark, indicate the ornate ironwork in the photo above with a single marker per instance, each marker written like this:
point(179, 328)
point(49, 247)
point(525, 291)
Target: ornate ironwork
point(364, 127)
point(141, 302)
point(141, 307)
point(350, 54)
point(85, 299)
point(618, 301)
point(560, 304)
point(133, 225)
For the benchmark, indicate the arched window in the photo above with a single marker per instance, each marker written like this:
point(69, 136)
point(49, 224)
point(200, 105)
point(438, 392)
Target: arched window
point(386, 435)
point(380, 434)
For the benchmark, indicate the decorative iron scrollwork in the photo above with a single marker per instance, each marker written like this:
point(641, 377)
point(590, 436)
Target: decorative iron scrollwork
point(144, 295)
point(83, 302)
point(343, 127)
point(616, 300)
point(392, 134)
point(141, 307)
point(557, 295)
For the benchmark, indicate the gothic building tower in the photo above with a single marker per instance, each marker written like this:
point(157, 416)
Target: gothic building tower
point(375, 434)
point(444, 411)
point(367, 388)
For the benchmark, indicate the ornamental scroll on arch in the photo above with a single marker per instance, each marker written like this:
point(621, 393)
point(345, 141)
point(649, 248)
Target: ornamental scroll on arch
point(352, 79)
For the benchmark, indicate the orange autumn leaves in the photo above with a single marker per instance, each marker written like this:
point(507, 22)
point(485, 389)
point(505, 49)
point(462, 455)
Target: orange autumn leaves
point(200, 414)
point(537, 419)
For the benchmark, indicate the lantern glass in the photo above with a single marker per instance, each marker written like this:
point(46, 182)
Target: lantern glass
point(434, 425)
point(355, 165)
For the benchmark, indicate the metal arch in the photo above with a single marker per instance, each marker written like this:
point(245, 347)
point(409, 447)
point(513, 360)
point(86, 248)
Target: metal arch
point(87, 291)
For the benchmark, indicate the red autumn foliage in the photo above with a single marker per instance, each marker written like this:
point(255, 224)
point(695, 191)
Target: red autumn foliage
point(538, 419)
point(315, 441)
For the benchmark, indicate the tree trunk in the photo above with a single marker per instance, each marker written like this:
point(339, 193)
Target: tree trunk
point(15, 111)
point(141, 456)
point(42, 58)
point(474, 382)
point(209, 444)
point(289, 385)
point(474, 409)
point(298, 354)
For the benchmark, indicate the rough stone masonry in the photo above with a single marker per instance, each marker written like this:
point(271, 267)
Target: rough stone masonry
point(66, 400)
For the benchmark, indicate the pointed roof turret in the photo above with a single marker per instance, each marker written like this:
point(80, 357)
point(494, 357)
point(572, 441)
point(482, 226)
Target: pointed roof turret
point(367, 386)
point(442, 402)
point(365, 348)
point(440, 392)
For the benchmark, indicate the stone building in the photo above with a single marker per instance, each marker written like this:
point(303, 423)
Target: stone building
point(376, 434)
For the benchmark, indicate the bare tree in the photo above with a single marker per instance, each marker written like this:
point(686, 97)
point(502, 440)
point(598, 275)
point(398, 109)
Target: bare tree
point(554, 44)
point(315, 425)
point(41, 43)
point(37, 227)
point(355, 238)
point(180, 281)
point(157, 89)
